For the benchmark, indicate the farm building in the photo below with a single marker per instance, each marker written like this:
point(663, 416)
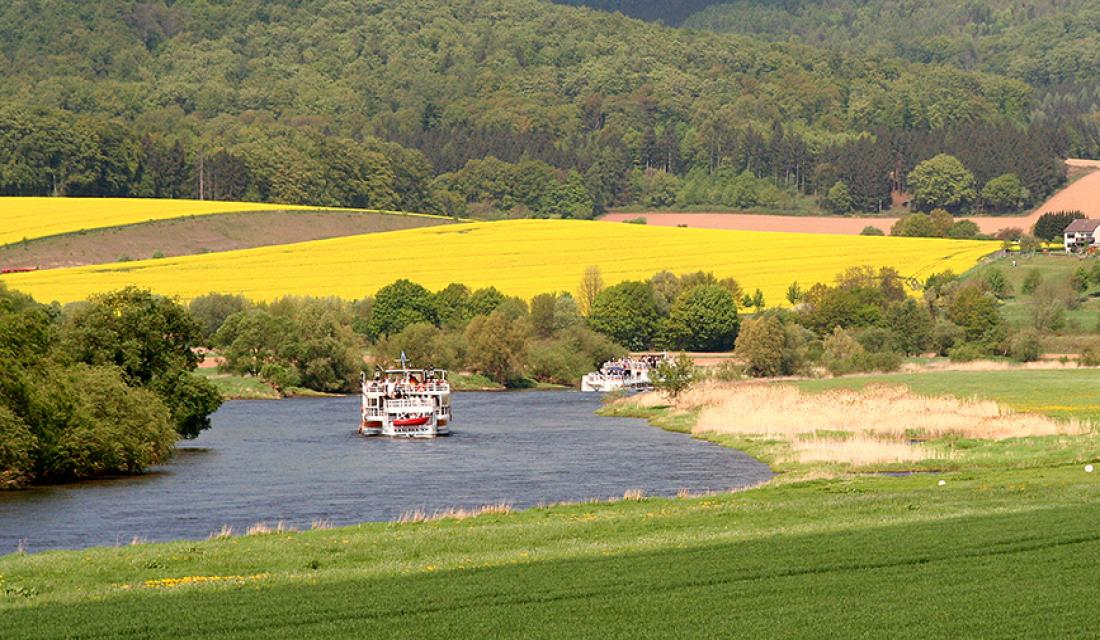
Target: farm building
point(1080, 235)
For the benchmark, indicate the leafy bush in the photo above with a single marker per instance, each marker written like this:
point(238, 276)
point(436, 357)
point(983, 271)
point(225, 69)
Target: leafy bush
point(843, 353)
point(1031, 281)
point(108, 427)
point(871, 230)
point(1024, 346)
point(998, 284)
point(1090, 357)
point(967, 352)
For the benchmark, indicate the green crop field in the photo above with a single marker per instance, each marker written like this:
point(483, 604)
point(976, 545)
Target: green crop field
point(994, 551)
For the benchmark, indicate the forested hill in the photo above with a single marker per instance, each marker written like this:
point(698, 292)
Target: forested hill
point(1047, 43)
point(671, 12)
point(364, 102)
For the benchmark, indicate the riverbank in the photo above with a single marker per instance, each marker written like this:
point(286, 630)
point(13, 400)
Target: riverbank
point(1002, 545)
point(934, 421)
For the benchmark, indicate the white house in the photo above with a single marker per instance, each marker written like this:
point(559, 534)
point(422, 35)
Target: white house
point(1081, 235)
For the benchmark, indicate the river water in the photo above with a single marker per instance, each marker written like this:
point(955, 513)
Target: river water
point(301, 460)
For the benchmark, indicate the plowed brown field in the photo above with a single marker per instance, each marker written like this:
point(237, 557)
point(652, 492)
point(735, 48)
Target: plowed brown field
point(1082, 195)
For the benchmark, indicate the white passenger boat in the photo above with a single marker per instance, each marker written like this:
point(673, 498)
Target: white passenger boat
point(631, 374)
point(406, 403)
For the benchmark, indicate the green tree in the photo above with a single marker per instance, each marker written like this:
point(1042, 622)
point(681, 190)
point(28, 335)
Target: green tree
point(1005, 193)
point(251, 339)
point(703, 318)
point(496, 346)
point(839, 199)
point(760, 345)
point(910, 325)
point(963, 230)
point(400, 304)
point(485, 301)
point(452, 303)
point(109, 426)
point(1051, 226)
point(758, 300)
point(942, 220)
point(976, 312)
point(675, 376)
point(1048, 305)
point(1029, 244)
point(544, 315)
point(842, 353)
point(18, 447)
point(211, 310)
point(794, 293)
point(916, 225)
point(941, 182)
point(626, 313)
point(151, 340)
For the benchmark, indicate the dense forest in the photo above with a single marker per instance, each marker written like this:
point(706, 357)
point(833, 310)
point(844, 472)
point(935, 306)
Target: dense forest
point(670, 12)
point(1050, 44)
point(446, 107)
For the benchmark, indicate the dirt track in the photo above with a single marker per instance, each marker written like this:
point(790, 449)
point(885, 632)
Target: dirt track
point(1082, 195)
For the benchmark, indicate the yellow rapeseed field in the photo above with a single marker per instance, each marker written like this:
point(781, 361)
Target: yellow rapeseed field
point(30, 218)
point(519, 257)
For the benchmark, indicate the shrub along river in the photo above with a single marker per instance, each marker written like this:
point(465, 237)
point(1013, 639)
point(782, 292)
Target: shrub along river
point(301, 460)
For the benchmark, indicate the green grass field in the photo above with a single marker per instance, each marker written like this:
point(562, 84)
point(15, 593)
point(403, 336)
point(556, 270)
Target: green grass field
point(1060, 393)
point(1055, 266)
point(995, 551)
point(1007, 554)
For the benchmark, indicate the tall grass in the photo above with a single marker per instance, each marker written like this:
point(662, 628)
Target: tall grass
point(879, 424)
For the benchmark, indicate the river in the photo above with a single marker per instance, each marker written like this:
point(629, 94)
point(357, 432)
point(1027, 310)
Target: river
point(301, 460)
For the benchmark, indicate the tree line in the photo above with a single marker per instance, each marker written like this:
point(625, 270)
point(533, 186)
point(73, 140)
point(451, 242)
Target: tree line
point(405, 100)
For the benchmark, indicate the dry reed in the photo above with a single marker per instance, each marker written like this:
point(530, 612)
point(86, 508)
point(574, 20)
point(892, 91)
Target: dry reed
point(878, 424)
point(419, 515)
point(885, 412)
point(262, 528)
point(858, 451)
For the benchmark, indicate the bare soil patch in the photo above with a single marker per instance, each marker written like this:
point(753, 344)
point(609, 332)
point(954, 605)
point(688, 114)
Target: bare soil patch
point(200, 234)
point(1081, 195)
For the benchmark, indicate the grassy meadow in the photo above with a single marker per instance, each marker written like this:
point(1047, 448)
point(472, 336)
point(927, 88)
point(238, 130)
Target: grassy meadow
point(518, 257)
point(1002, 544)
point(1053, 267)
